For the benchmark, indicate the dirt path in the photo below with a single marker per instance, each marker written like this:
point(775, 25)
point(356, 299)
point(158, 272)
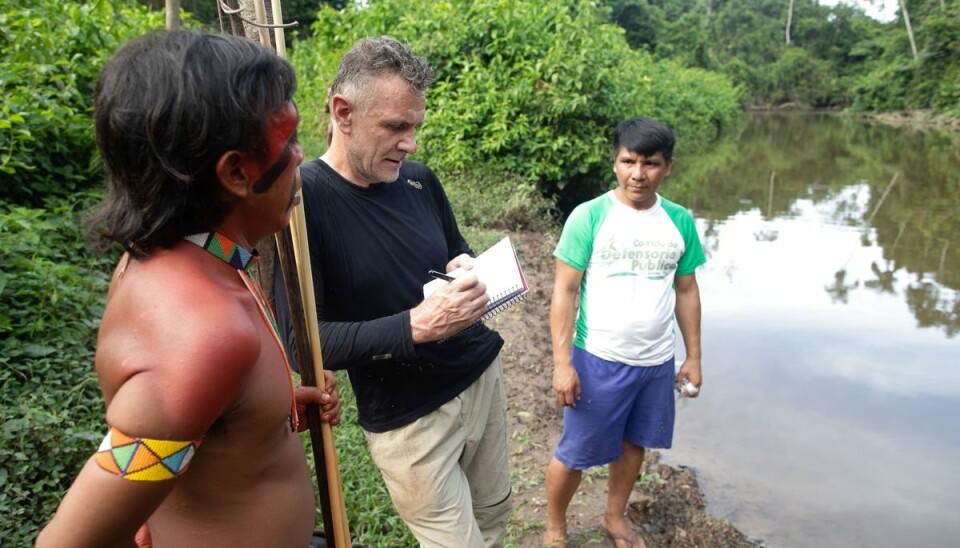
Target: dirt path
point(667, 507)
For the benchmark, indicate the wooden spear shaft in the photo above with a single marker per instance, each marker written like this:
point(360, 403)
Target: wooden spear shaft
point(324, 454)
point(337, 529)
point(298, 279)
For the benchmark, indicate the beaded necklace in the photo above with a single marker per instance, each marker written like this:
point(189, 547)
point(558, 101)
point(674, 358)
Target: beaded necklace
point(231, 253)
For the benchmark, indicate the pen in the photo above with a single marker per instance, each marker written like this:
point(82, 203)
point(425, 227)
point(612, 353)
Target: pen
point(441, 275)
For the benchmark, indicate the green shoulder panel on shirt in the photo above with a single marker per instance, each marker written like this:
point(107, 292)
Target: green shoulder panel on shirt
point(576, 240)
point(693, 255)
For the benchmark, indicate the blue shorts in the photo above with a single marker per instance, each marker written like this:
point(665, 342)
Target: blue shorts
point(617, 402)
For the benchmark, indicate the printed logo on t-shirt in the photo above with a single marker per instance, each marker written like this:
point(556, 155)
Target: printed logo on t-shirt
point(415, 184)
point(652, 259)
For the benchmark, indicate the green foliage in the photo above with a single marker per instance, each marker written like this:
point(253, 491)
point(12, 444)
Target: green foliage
point(896, 81)
point(748, 42)
point(684, 40)
point(940, 68)
point(642, 23)
point(797, 76)
point(697, 103)
point(484, 198)
point(884, 89)
point(836, 57)
point(52, 54)
point(530, 89)
point(51, 298)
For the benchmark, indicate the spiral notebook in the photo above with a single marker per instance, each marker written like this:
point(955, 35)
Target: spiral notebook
point(498, 268)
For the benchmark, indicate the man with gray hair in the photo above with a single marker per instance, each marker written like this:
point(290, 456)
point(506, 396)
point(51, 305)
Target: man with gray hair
point(427, 378)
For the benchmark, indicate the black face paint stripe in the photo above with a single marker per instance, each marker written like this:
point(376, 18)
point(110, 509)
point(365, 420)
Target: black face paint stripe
point(270, 176)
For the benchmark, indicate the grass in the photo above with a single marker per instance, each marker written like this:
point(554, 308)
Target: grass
point(373, 520)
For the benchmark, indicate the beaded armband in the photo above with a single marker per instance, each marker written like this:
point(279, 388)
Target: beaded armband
point(142, 459)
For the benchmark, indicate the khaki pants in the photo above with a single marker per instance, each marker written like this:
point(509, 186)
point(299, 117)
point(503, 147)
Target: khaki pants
point(447, 472)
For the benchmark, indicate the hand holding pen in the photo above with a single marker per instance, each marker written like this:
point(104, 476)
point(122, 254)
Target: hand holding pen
point(449, 309)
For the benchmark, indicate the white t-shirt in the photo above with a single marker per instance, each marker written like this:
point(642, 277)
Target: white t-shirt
point(629, 259)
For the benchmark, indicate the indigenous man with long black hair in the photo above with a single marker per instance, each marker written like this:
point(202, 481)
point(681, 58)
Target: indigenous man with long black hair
point(198, 134)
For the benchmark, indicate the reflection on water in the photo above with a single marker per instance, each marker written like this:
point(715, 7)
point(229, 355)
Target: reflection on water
point(831, 312)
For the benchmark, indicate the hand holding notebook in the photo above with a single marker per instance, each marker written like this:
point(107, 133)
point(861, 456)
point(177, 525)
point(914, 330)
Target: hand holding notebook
point(499, 269)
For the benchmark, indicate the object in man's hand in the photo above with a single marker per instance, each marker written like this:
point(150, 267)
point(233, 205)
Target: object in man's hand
point(687, 389)
point(498, 268)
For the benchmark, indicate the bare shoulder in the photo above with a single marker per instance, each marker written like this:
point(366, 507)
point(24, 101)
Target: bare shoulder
point(175, 346)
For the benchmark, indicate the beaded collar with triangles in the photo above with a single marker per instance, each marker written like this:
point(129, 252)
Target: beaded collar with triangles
point(224, 249)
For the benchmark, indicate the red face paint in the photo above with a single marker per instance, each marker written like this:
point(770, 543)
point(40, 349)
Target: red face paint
point(282, 146)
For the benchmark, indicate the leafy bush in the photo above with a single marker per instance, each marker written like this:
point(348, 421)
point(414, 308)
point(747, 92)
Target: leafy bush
point(897, 81)
point(800, 77)
point(883, 90)
point(530, 89)
point(698, 104)
point(484, 198)
point(940, 70)
point(52, 54)
point(51, 299)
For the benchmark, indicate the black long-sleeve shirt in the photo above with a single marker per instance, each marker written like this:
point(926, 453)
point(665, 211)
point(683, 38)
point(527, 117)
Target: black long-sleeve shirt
point(370, 250)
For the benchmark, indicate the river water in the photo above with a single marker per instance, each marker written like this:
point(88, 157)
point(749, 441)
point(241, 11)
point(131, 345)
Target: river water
point(831, 332)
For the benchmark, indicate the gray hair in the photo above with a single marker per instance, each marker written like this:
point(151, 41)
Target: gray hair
point(372, 58)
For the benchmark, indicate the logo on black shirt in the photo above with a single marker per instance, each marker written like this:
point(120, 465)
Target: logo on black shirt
point(415, 184)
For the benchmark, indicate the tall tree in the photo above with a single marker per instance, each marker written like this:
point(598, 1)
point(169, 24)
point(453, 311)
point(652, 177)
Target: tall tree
point(173, 14)
point(789, 21)
point(906, 21)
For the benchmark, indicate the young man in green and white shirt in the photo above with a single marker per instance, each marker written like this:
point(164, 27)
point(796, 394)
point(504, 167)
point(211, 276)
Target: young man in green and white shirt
point(631, 255)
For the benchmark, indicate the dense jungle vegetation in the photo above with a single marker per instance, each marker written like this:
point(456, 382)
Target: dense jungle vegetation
point(800, 52)
point(518, 125)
